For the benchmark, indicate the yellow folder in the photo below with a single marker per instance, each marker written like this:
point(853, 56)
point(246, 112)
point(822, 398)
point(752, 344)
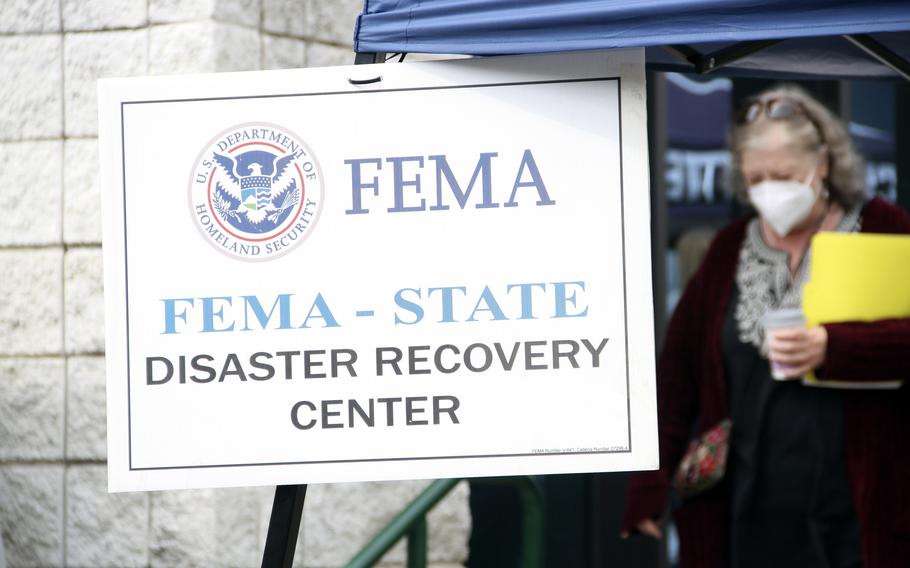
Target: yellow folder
point(857, 277)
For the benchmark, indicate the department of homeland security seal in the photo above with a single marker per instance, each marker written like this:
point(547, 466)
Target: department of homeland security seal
point(256, 191)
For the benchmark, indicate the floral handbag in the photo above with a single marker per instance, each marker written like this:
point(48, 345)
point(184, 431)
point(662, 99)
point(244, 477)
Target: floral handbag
point(705, 462)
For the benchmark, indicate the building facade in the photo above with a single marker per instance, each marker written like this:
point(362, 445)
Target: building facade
point(54, 506)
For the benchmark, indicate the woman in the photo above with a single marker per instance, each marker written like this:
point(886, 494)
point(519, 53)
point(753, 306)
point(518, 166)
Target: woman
point(815, 477)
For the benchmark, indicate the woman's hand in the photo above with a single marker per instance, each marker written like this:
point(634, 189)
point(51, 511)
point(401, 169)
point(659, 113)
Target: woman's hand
point(647, 527)
point(800, 348)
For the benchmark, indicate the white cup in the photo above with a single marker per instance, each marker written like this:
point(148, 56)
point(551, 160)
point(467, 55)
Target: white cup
point(777, 320)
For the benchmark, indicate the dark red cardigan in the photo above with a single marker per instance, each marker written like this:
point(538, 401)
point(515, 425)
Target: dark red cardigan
point(692, 391)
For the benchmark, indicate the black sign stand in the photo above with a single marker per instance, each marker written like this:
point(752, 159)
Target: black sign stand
point(284, 526)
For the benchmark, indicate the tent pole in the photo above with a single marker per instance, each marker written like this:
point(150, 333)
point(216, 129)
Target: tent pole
point(657, 157)
point(881, 53)
point(683, 52)
point(707, 62)
point(368, 57)
point(732, 54)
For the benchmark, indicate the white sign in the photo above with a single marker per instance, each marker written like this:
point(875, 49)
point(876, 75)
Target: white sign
point(441, 273)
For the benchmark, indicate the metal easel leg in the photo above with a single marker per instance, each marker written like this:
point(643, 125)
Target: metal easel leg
point(284, 526)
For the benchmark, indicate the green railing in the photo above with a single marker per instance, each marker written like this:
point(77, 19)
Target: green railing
point(412, 522)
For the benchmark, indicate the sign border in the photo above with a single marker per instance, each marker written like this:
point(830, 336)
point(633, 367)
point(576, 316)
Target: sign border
point(123, 104)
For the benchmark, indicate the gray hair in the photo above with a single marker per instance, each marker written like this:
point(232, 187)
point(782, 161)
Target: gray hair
point(818, 129)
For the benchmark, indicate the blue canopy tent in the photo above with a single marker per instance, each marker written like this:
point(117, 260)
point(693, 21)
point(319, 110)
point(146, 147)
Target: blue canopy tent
point(823, 38)
point(807, 39)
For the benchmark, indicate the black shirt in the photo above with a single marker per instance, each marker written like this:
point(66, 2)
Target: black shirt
point(790, 499)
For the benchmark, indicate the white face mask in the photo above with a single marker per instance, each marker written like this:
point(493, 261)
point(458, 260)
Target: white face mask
point(784, 204)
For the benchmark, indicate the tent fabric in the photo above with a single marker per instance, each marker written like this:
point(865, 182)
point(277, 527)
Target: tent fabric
point(498, 27)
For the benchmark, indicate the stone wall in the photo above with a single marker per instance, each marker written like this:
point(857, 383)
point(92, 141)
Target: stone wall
point(54, 505)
